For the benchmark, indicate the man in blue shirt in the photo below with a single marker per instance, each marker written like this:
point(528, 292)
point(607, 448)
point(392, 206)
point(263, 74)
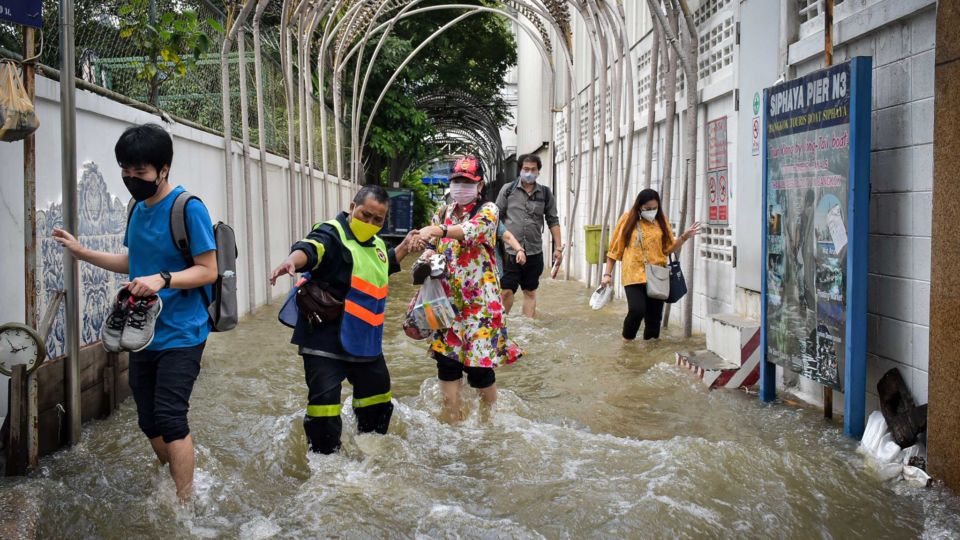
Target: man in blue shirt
point(163, 373)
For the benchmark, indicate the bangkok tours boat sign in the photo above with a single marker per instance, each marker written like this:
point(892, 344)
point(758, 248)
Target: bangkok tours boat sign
point(816, 187)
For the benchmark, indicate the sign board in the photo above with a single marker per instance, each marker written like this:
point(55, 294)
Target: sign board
point(719, 195)
point(25, 12)
point(816, 156)
point(755, 130)
point(717, 144)
point(400, 217)
point(717, 177)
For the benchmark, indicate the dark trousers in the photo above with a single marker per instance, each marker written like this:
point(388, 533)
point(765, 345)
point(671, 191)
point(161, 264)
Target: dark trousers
point(642, 308)
point(371, 399)
point(161, 382)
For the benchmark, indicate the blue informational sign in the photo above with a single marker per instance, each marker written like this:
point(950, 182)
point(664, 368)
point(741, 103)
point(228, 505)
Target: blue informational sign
point(400, 217)
point(25, 12)
point(816, 155)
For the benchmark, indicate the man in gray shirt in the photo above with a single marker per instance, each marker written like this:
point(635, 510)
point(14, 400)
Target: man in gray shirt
point(524, 206)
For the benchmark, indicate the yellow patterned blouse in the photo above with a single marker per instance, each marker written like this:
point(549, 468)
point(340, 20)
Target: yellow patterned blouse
point(630, 255)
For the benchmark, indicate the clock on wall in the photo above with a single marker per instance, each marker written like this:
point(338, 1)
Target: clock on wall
point(20, 344)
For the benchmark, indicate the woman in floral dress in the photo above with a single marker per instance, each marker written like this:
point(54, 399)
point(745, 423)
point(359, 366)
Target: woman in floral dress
point(465, 233)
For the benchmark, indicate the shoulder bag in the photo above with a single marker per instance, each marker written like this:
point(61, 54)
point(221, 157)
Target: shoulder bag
point(658, 277)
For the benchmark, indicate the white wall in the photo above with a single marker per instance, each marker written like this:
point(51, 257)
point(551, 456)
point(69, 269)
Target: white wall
point(198, 164)
point(534, 93)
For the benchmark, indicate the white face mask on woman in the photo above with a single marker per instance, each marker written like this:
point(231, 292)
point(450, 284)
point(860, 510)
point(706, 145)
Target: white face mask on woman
point(649, 215)
point(463, 193)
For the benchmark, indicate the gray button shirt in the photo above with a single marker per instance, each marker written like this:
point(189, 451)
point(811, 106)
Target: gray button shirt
point(524, 213)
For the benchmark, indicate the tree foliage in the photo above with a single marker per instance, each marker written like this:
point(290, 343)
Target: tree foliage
point(170, 45)
point(473, 56)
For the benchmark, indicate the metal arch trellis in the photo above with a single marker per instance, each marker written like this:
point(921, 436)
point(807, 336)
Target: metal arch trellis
point(569, 66)
point(336, 30)
point(453, 109)
point(485, 141)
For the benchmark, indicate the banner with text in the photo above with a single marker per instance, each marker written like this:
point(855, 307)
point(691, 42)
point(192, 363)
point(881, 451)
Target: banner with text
point(808, 201)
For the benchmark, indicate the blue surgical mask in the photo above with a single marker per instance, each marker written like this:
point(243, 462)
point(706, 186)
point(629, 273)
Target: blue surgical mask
point(529, 177)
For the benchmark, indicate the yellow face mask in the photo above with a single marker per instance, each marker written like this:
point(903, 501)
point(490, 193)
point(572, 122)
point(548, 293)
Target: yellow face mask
point(363, 230)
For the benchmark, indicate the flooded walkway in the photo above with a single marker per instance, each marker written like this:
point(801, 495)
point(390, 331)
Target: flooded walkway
point(592, 438)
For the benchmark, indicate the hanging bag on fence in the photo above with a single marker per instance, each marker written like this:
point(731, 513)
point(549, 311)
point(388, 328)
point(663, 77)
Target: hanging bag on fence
point(678, 285)
point(17, 116)
point(658, 277)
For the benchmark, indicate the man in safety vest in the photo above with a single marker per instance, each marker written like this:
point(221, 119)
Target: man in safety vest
point(348, 260)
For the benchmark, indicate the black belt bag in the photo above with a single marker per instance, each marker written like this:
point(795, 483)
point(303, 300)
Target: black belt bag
point(318, 304)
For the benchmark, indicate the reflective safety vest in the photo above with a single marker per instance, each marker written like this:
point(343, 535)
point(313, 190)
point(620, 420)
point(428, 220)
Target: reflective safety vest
point(361, 330)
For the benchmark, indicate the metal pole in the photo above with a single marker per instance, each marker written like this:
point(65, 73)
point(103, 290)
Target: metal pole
point(247, 188)
point(225, 109)
point(71, 267)
point(30, 241)
point(30, 191)
point(828, 58)
point(262, 141)
point(828, 32)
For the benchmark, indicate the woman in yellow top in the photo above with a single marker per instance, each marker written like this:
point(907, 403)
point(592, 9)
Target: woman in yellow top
point(633, 251)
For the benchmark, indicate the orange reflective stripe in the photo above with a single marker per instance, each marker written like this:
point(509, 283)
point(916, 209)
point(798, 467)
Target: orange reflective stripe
point(368, 288)
point(363, 313)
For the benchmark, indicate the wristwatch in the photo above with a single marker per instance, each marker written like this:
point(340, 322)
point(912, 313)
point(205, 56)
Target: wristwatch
point(444, 229)
point(166, 278)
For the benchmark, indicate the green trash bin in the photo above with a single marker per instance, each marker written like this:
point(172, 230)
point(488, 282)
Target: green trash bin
point(592, 241)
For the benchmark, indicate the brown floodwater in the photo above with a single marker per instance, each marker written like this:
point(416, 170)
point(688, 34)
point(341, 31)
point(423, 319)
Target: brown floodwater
point(591, 438)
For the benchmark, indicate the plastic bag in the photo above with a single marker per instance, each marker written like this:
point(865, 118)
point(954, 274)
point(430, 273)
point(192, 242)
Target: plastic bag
point(17, 117)
point(873, 434)
point(601, 297)
point(429, 310)
point(916, 476)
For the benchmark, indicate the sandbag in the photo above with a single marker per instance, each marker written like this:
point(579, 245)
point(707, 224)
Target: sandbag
point(17, 117)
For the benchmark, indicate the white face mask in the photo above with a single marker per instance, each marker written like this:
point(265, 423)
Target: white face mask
point(649, 215)
point(463, 194)
point(529, 177)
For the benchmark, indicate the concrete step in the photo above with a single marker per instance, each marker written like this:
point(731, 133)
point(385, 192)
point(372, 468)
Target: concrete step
point(733, 337)
point(717, 372)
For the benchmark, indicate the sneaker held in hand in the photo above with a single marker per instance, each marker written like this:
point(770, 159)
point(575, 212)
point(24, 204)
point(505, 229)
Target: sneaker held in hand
point(141, 321)
point(112, 328)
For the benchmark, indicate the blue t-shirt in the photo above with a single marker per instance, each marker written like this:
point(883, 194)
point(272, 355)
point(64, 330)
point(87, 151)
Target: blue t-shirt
point(183, 321)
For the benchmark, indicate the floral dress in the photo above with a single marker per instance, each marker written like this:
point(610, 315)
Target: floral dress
point(478, 337)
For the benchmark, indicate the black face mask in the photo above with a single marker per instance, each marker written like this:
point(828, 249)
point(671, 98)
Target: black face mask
point(141, 190)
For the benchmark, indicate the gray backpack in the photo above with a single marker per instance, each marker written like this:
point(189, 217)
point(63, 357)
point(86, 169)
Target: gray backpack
point(222, 304)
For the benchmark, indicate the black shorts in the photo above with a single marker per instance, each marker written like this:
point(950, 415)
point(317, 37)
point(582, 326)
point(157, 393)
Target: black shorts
point(526, 276)
point(161, 382)
point(450, 370)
